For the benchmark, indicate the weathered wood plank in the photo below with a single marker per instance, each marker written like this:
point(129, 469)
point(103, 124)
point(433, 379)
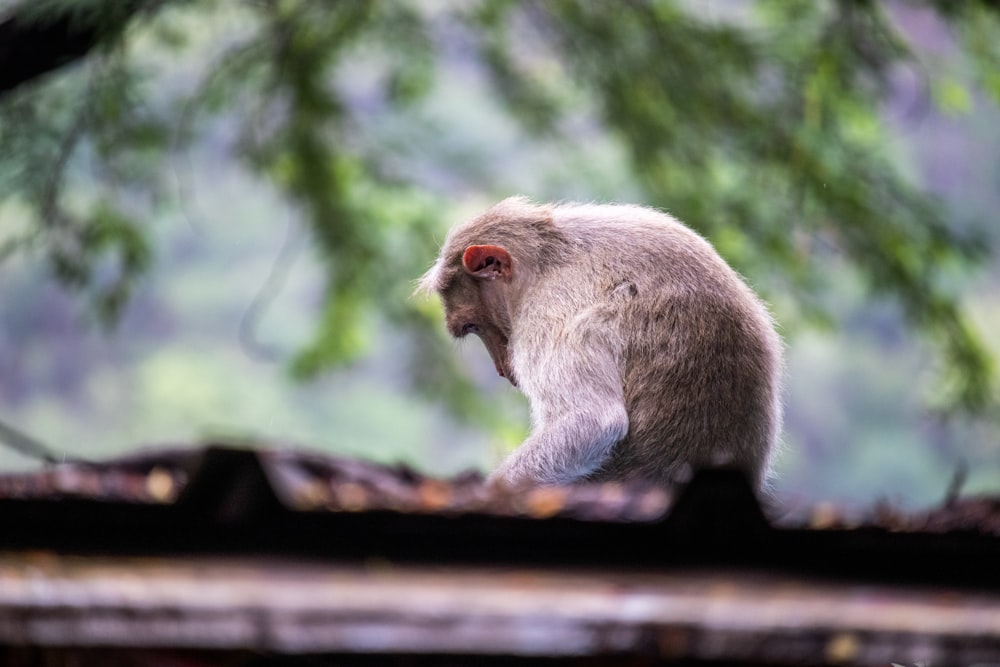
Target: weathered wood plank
point(295, 607)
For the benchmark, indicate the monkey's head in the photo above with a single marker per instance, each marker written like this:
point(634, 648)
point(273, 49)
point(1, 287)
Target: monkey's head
point(482, 267)
point(476, 300)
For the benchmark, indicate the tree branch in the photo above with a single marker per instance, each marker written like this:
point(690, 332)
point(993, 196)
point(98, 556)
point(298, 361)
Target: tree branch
point(32, 45)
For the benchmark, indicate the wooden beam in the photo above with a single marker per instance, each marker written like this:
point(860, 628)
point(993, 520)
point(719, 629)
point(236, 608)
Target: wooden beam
point(296, 607)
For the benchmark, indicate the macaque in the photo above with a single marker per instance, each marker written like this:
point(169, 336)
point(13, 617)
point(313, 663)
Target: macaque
point(642, 354)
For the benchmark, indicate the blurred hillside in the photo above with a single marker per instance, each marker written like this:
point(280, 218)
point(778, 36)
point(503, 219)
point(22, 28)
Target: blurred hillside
point(228, 329)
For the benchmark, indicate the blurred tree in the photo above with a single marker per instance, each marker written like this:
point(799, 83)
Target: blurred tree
point(760, 126)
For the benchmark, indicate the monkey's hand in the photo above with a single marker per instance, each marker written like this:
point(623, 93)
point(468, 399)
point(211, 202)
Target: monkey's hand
point(578, 409)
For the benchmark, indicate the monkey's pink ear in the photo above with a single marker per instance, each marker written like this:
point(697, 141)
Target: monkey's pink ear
point(487, 261)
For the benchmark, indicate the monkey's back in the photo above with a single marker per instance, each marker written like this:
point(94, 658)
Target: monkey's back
point(699, 356)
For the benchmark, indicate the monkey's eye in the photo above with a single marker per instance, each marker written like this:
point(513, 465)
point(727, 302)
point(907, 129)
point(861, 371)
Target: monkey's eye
point(470, 328)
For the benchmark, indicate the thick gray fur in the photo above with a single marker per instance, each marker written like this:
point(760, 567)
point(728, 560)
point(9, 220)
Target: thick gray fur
point(641, 352)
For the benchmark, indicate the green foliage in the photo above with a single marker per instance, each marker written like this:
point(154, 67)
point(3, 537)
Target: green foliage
point(778, 137)
point(84, 221)
point(977, 23)
point(763, 130)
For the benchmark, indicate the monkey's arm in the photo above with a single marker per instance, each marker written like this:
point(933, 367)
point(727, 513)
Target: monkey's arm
point(578, 413)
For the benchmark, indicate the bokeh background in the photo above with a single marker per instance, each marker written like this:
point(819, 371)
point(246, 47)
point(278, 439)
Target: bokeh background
point(211, 218)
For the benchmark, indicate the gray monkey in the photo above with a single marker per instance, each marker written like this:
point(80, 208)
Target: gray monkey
point(641, 352)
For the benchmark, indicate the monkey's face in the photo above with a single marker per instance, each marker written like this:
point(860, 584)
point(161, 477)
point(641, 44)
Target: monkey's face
point(475, 302)
point(474, 307)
